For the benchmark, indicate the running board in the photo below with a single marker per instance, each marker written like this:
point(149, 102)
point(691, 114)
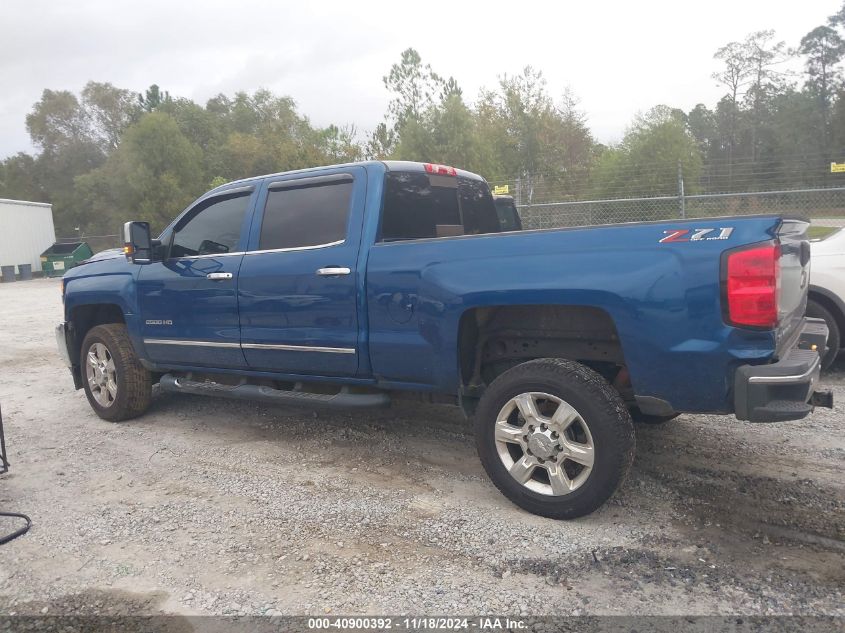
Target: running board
point(257, 393)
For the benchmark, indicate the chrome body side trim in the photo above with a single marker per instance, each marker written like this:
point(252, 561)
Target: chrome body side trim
point(259, 346)
point(271, 250)
point(299, 348)
point(187, 343)
point(296, 248)
point(791, 378)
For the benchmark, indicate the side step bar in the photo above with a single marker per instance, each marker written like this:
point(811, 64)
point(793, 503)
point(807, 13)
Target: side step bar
point(341, 400)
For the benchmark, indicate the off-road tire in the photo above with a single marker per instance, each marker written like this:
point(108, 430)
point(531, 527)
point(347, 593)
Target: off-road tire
point(134, 384)
point(601, 408)
point(818, 311)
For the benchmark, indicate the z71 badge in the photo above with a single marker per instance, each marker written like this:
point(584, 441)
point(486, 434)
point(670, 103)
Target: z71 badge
point(696, 235)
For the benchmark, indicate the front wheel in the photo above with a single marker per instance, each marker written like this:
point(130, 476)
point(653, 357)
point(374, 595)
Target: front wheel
point(555, 437)
point(117, 386)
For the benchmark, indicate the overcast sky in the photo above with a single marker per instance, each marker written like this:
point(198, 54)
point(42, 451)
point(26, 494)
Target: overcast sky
point(619, 57)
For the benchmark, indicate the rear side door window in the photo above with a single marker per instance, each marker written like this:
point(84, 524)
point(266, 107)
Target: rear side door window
point(306, 213)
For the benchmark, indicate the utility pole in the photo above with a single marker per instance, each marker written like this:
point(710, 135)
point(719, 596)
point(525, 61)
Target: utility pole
point(681, 201)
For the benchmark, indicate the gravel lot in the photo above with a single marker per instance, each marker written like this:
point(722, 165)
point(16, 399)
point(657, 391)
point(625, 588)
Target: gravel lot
point(207, 506)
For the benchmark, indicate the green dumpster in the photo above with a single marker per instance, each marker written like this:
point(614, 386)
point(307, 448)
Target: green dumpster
point(61, 257)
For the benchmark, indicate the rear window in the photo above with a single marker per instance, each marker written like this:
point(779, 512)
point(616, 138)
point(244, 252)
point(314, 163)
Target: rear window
point(477, 207)
point(419, 205)
point(508, 216)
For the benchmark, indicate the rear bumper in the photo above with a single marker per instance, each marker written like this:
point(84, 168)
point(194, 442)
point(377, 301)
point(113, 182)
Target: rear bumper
point(784, 390)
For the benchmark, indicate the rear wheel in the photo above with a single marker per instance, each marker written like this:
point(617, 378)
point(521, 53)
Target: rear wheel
point(117, 386)
point(555, 437)
point(818, 311)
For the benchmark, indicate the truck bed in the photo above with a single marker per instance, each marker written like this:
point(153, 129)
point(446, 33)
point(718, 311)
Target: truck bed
point(664, 297)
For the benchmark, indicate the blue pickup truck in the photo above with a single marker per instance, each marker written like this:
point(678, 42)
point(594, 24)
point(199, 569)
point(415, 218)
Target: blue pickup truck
point(353, 285)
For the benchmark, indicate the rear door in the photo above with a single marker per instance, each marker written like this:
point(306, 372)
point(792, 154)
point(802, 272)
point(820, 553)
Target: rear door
point(404, 340)
point(298, 285)
point(188, 302)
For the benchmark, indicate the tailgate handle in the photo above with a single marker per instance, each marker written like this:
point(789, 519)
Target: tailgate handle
point(805, 253)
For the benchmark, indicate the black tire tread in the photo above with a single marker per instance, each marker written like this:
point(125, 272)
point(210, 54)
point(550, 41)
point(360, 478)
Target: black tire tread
point(134, 382)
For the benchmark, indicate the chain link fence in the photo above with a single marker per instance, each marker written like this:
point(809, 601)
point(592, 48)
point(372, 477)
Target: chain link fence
point(810, 203)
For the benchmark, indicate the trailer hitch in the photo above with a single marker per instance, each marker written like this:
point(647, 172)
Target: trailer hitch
point(822, 399)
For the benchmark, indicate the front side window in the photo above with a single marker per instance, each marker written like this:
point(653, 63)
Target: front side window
point(213, 227)
point(306, 215)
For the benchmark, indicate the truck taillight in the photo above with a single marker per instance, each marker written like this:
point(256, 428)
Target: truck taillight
point(442, 170)
point(752, 286)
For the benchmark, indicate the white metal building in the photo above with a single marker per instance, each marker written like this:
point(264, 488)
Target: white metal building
point(26, 231)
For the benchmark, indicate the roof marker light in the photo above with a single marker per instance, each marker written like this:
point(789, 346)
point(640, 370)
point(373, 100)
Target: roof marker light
point(441, 170)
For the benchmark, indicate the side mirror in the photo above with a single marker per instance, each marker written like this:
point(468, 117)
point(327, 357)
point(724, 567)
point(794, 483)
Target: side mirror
point(137, 243)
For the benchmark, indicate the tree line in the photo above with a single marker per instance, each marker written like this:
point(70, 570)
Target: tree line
point(108, 154)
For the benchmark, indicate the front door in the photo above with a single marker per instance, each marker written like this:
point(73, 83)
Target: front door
point(189, 301)
point(299, 285)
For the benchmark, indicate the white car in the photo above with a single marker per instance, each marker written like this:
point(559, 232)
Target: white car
point(827, 289)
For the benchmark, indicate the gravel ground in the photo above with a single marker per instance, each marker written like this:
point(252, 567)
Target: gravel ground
point(207, 506)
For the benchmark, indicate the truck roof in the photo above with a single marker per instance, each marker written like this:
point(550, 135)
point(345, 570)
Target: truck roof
point(407, 165)
point(387, 165)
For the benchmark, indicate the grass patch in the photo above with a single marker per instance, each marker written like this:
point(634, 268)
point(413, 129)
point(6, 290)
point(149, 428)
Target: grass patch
point(820, 232)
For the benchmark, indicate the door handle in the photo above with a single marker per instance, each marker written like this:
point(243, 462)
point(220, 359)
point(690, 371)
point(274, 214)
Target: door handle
point(333, 270)
point(218, 276)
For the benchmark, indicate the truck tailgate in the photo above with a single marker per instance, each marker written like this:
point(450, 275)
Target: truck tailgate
point(794, 279)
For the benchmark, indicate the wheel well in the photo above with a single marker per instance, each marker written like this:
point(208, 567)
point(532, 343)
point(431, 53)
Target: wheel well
point(494, 339)
point(831, 306)
point(85, 317)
